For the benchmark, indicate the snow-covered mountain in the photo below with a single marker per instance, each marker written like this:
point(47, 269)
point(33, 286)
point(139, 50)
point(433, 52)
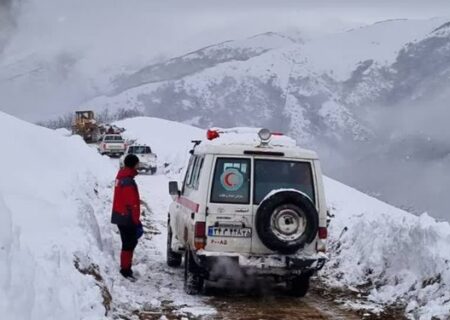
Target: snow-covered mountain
point(58, 252)
point(371, 100)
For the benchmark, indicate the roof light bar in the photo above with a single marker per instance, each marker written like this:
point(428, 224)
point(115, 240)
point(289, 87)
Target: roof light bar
point(264, 134)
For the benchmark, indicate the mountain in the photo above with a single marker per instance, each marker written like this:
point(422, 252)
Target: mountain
point(370, 100)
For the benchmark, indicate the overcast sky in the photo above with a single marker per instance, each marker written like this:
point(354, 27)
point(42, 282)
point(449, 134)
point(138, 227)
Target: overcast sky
point(107, 36)
point(175, 25)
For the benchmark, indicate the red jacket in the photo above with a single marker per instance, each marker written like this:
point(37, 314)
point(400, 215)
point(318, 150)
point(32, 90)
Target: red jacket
point(126, 209)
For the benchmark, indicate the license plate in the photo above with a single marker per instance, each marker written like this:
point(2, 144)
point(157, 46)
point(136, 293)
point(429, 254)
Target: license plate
point(230, 232)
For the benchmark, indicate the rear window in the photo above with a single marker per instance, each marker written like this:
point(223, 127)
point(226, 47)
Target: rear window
point(113, 138)
point(279, 174)
point(231, 183)
point(139, 150)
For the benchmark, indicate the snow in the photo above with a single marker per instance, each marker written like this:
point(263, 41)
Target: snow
point(42, 185)
point(339, 54)
point(55, 211)
point(278, 60)
point(390, 251)
point(169, 140)
point(404, 258)
point(248, 137)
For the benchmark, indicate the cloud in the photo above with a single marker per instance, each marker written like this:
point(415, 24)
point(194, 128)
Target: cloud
point(91, 41)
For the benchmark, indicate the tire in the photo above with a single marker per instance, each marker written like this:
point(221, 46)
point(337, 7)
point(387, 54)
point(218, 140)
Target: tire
point(286, 221)
point(173, 258)
point(193, 280)
point(299, 286)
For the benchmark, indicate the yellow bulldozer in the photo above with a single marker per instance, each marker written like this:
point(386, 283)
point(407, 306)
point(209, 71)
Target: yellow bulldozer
point(86, 126)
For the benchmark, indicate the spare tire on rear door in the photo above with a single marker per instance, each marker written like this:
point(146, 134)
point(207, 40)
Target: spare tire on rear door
point(286, 221)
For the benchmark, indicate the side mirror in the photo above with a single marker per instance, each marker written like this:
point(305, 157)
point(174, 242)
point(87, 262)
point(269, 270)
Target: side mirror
point(173, 188)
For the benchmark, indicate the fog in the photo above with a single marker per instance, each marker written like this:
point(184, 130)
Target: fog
point(56, 54)
point(61, 52)
point(406, 163)
point(6, 21)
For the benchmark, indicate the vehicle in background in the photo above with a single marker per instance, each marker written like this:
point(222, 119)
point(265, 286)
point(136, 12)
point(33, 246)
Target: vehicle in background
point(252, 205)
point(112, 145)
point(105, 128)
point(147, 159)
point(86, 126)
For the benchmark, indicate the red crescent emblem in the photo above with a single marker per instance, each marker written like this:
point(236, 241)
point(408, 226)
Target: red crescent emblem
point(227, 182)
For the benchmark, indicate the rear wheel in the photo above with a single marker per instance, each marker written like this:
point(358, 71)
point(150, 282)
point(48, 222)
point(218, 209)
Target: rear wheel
point(173, 258)
point(299, 286)
point(193, 280)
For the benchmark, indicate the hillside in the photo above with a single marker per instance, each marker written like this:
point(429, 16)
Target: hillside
point(366, 99)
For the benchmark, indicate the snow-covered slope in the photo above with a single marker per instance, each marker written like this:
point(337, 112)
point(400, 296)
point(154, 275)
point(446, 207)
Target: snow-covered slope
point(387, 254)
point(48, 220)
point(369, 97)
point(339, 55)
point(269, 75)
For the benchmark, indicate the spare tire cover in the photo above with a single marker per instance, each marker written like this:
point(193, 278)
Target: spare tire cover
point(286, 221)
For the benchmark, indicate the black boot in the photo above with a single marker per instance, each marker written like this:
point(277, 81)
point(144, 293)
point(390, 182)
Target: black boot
point(127, 273)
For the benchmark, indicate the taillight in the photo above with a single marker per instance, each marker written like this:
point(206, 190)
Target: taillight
point(277, 134)
point(212, 134)
point(323, 233)
point(321, 244)
point(200, 235)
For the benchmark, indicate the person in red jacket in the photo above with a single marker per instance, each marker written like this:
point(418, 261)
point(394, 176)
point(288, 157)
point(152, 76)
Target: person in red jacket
point(126, 212)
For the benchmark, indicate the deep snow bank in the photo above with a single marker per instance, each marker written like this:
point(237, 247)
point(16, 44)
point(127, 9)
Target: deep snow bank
point(390, 254)
point(46, 219)
point(396, 256)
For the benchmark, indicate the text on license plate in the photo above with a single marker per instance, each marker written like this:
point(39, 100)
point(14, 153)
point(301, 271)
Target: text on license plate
point(230, 231)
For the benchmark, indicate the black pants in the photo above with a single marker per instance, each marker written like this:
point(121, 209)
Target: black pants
point(128, 236)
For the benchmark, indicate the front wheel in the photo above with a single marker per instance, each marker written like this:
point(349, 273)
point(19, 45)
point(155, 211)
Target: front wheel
point(173, 258)
point(193, 280)
point(299, 286)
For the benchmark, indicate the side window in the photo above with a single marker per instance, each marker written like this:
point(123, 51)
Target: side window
point(188, 176)
point(197, 171)
point(190, 181)
point(231, 182)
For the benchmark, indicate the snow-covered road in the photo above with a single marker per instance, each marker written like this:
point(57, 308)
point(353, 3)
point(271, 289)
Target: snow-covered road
point(59, 251)
point(158, 292)
point(159, 289)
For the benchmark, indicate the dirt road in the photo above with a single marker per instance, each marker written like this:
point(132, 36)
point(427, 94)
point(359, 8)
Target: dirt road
point(275, 307)
point(158, 292)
